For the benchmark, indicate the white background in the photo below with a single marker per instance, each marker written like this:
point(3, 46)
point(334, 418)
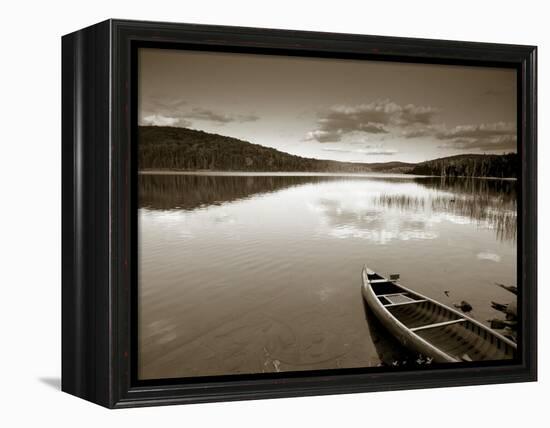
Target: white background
point(30, 213)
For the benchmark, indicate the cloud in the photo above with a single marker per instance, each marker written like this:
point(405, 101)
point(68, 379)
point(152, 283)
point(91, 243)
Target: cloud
point(167, 111)
point(499, 136)
point(160, 120)
point(498, 143)
point(212, 116)
point(340, 150)
point(377, 149)
point(385, 117)
point(325, 136)
point(381, 152)
point(162, 111)
point(478, 131)
point(378, 117)
point(418, 130)
point(369, 150)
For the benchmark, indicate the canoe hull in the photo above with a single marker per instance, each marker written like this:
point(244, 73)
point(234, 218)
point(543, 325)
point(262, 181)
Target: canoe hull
point(430, 328)
point(408, 339)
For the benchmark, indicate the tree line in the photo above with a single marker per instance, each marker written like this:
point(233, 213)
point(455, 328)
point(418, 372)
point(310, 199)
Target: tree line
point(499, 166)
point(188, 149)
point(169, 148)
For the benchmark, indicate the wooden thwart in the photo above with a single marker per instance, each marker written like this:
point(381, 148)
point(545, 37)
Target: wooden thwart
point(438, 324)
point(404, 303)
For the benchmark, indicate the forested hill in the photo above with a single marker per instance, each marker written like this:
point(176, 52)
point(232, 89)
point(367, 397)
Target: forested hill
point(183, 149)
point(171, 148)
point(472, 165)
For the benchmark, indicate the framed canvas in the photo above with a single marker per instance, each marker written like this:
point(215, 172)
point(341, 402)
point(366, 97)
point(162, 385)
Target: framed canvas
point(253, 213)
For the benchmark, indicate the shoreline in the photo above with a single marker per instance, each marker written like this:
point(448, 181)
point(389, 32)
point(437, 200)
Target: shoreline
point(305, 174)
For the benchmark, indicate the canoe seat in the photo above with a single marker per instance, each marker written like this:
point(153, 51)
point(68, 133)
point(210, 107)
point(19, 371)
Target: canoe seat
point(397, 298)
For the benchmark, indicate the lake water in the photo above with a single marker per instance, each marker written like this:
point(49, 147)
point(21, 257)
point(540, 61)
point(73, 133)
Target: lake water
point(252, 274)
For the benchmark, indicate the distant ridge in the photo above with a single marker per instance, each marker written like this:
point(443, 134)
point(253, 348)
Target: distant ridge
point(470, 165)
point(183, 149)
point(162, 147)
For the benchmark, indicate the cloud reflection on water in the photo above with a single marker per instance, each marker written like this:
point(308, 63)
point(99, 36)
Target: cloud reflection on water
point(376, 224)
point(410, 211)
point(378, 209)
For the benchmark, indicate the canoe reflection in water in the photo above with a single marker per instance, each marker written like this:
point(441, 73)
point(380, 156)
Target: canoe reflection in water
point(390, 351)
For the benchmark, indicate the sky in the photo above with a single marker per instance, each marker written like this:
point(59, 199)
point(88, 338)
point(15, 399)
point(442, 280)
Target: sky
point(346, 110)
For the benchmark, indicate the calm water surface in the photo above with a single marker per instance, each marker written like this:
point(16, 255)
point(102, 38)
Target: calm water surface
point(251, 274)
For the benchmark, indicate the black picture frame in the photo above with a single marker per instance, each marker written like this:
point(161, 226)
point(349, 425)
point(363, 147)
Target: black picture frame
point(99, 205)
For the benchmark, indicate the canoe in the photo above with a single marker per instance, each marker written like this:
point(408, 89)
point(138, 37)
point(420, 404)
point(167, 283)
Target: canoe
point(429, 327)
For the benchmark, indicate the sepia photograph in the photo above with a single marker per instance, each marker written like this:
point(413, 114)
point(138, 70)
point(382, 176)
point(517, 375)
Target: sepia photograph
point(301, 214)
